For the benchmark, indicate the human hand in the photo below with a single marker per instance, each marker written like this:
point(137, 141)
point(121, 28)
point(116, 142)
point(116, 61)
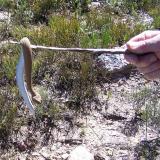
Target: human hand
point(145, 53)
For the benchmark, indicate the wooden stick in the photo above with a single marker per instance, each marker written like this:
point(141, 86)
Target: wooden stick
point(81, 50)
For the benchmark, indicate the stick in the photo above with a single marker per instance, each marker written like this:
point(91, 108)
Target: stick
point(81, 50)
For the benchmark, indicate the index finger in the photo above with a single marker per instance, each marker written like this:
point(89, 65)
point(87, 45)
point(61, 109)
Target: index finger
point(145, 35)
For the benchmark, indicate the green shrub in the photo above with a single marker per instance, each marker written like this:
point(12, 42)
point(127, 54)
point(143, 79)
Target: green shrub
point(42, 9)
point(132, 6)
point(22, 14)
point(146, 102)
point(48, 107)
point(121, 33)
point(60, 32)
point(5, 4)
point(77, 77)
point(94, 29)
point(79, 6)
point(8, 111)
point(3, 31)
point(40, 35)
point(66, 30)
point(155, 13)
point(9, 62)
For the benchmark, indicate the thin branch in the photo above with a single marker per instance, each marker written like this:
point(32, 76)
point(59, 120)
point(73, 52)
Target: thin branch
point(81, 50)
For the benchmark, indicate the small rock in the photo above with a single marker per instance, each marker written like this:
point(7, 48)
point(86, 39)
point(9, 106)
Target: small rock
point(65, 156)
point(45, 152)
point(94, 5)
point(81, 153)
point(4, 16)
point(22, 157)
point(53, 148)
point(113, 62)
point(35, 154)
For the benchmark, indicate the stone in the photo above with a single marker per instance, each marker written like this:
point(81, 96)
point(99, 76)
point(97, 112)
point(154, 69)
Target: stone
point(4, 16)
point(45, 152)
point(65, 156)
point(81, 153)
point(53, 148)
point(113, 62)
point(94, 5)
point(21, 157)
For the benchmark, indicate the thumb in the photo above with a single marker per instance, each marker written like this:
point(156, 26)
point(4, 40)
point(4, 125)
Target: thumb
point(149, 45)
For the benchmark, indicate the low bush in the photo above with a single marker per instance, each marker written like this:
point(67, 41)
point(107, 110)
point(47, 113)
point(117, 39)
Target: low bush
point(155, 13)
point(77, 77)
point(8, 111)
point(9, 59)
point(146, 101)
point(5, 4)
point(66, 31)
point(132, 6)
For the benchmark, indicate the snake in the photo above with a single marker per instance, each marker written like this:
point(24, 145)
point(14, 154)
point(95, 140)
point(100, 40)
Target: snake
point(21, 83)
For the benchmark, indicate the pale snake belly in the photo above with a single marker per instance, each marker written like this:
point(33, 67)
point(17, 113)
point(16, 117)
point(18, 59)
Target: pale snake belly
point(21, 84)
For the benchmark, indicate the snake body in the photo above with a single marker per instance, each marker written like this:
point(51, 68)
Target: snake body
point(21, 83)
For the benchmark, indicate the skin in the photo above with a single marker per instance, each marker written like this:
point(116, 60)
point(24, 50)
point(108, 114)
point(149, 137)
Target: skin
point(144, 53)
point(27, 53)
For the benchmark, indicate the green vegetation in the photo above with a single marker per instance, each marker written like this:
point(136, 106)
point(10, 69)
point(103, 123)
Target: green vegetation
point(8, 111)
point(48, 107)
point(132, 6)
point(76, 76)
point(155, 13)
point(66, 24)
point(5, 4)
point(9, 66)
point(146, 102)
